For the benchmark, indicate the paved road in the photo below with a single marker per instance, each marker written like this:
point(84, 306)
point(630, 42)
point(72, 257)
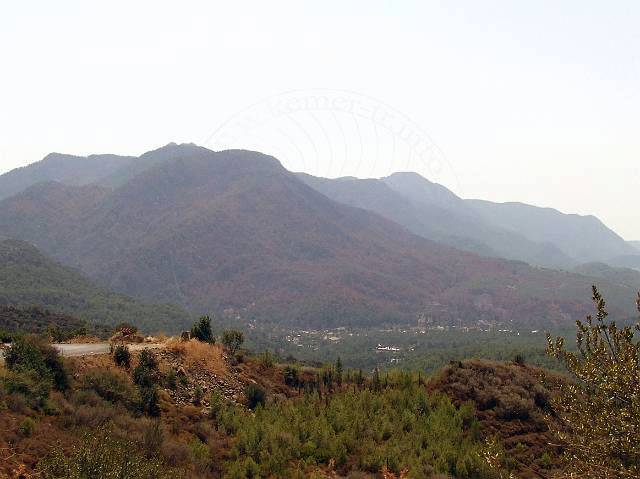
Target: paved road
point(82, 349)
point(89, 349)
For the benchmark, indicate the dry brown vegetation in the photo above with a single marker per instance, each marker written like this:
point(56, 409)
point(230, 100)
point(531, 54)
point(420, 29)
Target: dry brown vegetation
point(196, 354)
point(512, 403)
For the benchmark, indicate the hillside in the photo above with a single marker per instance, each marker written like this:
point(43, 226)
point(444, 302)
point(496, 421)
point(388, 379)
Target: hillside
point(585, 238)
point(42, 321)
point(67, 169)
point(235, 231)
point(28, 278)
point(433, 212)
point(624, 276)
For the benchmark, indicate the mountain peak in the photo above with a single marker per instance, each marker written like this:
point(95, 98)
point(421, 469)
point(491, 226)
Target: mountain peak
point(408, 174)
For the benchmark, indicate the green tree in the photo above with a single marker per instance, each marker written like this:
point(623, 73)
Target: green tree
point(202, 330)
point(290, 376)
point(339, 372)
point(146, 376)
point(232, 340)
point(255, 396)
point(122, 356)
point(600, 411)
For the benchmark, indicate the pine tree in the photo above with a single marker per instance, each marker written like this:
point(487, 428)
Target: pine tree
point(600, 411)
point(339, 372)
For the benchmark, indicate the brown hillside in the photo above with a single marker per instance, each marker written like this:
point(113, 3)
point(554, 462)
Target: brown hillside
point(235, 230)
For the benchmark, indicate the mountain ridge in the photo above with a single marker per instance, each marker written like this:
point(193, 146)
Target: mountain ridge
point(235, 232)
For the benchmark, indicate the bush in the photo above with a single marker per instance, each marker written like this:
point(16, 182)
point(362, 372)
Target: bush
point(29, 384)
point(122, 356)
point(232, 340)
point(152, 438)
point(146, 373)
point(150, 400)
point(198, 395)
point(112, 387)
point(99, 455)
point(255, 396)
point(290, 376)
point(171, 379)
point(27, 427)
point(146, 376)
point(30, 353)
point(202, 330)
point(266, 359)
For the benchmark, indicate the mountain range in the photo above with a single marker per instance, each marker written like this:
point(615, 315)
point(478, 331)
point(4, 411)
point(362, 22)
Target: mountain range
point(539, 236)
point(236, 233)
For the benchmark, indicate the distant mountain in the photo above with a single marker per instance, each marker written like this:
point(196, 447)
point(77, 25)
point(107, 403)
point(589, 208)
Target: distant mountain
point(635, 244)
point(67, 169)
point(433, 212)
point(585, 238)
point(626, 261)
point(623, 276)
point(104, 170)
point(234, 231)
point(28, 278)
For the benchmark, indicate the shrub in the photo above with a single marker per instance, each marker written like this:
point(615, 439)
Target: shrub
point(232, 340)
point(198, 395)
point(122, 356)
point(255, 396)
point(266, 359)
point(99, 454)
point(290, 376)
point(152, 438)
point(216, 404)
point(30, 353)
point(27, 427)
point(150, 400)
point(202, 330)
point(146, 373)
point(112, 387)
point(171, 379)
point(30, 385)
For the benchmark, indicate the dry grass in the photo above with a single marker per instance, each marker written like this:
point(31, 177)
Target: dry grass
point(209, 357)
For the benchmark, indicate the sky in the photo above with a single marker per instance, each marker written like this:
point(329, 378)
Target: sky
point(536, 102)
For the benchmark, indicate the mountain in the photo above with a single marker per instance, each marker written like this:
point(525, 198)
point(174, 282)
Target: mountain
point(585, 238)
point(234, 231)
point(624, 276)
point(635, 244)
point(67, 169)
point(105, 170)
point(626, 261)
point(28, 278)
point(433, 212)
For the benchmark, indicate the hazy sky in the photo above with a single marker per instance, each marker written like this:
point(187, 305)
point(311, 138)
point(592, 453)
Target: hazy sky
point(509, 101)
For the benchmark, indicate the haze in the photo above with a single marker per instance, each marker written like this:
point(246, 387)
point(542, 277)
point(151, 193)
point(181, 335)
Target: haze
point(533, 103)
